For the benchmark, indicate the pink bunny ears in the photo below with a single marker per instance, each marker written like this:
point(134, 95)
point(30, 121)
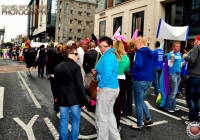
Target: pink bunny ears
point(119, 37)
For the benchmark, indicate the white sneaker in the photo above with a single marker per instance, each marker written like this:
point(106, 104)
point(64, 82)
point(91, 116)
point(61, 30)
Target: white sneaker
point(176, 109)
point(171, 111)
point(153, 94)
point(187, 122)
point(186, 118)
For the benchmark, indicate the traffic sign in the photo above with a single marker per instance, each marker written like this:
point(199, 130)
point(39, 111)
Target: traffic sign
point(148, 40)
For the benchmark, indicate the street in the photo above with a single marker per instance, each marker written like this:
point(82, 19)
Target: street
point(26, 111)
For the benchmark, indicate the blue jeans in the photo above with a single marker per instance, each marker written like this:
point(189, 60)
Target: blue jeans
point(64, 120)
point(156, 77)
point(192, 91)
point(41, 64)
point(174, 80)
point(141, 89)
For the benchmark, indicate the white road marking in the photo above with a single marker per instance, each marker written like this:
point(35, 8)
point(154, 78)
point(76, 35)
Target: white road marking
point(30, 92)
point(182, 108)
point(181, 101)
point(51, 127)
point(28, 127)
point(1, 101)
point(88, 118)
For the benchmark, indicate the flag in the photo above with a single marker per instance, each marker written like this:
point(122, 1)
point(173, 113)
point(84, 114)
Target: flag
point(165, 31)
point(162, 46)
point(117, 32)
point(94, 38)
point(135, 34)
point(164, 87)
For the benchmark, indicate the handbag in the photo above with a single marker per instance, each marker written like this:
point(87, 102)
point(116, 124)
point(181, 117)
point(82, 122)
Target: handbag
point(93, 87)
point(88, 76)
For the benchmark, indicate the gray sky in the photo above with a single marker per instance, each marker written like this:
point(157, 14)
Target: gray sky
point(14, 24)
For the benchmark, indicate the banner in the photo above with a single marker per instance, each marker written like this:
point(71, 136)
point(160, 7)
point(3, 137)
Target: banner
point(165, 31)
point(38, 44)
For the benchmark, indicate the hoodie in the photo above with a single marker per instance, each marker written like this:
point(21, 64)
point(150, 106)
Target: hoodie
point(143, 66)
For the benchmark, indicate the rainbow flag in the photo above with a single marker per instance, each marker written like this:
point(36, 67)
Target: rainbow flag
point(164, 85)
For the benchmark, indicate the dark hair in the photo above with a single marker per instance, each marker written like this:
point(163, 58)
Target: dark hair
point(68, 49)
point(157, 44)
point(108, 40)
point(42, 46)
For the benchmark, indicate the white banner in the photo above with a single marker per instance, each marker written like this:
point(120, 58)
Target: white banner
point(165, 31)
point(38, 44)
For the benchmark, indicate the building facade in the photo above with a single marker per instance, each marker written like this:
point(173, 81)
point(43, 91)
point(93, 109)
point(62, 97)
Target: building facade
point(41, 26)
point(144, 15)
point(75, 20)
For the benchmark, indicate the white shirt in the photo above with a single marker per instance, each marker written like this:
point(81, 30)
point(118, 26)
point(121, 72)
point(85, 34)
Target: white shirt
point(81, 53)
point(98, 50)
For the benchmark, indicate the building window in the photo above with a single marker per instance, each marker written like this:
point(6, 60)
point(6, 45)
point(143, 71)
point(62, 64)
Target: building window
point(79, 30)
point(102, 28)
point(70, 38)
point(71, 21)
point(79, 13)
point(195, 4)
point(80, 5)
point(70, 30)
point(88, 6)
point(88, 14)
point(71, 11)
point(117, 22)
point(78, 39)
point(116, 2)
point(138, 23)
point(87, 23)
point(79, 22)
point(195, 19)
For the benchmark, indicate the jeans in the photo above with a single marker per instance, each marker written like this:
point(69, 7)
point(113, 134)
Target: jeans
point(128, 99)
point(41, 64)
point(192, 90)
point(156, 77)
point(141, 89)
point(64, 119)
point(174, 80)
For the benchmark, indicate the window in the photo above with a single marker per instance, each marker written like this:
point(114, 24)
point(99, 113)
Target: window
point(70, 30)
point(78, 39)
point(88, 6)
point(80, 5)
point(102, 28)
point(117, 22)
point(138, 23)
point(70, 38)
point(88, 14)
point(71, 11)
point(79, 13)
point(87, 23)
point(195, 4)
point(116, 2)
point(195, 19)
point(71, 21)
point(79, 30)
point(79, 22)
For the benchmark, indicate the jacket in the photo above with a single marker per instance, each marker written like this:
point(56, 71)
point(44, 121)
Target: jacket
point(194, 62)
point(69, 84)
point(107, 68)
point(89, 60)
point(143, 65)
point(123, 65)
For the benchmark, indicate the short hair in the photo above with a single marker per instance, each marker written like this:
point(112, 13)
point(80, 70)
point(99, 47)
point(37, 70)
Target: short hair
point(176, 43)
point(68, 49)
point(157, 44)
point(108, 40)
point(140, 39)
point(92, 44)
point(131, 45)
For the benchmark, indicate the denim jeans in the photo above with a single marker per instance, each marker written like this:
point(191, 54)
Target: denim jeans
point(41, 64)
point(174, 80)
point(141, 89)
point(64, 119)
point(192, 90)
point(156, 77)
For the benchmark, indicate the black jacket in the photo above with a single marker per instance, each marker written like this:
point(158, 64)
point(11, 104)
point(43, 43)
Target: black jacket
point(89, 60)
point(131, 55)
point(69, 84)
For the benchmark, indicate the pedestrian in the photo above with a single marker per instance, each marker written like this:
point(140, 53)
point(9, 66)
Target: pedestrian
point(123, 66)
point(128, 97)
point(174, 63)
point(29, 57)
point(70, 93)
point(192, 86)
point(158, 66)
point(41, 60)
point(107, 92)
point(142, 73)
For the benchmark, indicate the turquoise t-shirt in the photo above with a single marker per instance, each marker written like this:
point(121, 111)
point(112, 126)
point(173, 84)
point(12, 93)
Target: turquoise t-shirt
point(177, 62)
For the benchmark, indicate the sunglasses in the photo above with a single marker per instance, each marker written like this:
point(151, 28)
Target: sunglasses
point(74, 53)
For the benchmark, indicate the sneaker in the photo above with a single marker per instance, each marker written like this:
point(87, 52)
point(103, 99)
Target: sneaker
point(171, 111)
point(176, 109)
point(186, 118)
point(187, 122)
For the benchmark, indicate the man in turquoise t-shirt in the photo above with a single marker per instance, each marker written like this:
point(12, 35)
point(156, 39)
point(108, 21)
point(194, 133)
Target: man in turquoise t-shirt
point(174, 63)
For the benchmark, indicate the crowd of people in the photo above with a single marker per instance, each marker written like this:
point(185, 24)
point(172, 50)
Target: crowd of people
point(123, 76)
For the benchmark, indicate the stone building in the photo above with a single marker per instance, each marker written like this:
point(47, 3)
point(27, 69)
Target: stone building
point(144, 16)
point(74, 20)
